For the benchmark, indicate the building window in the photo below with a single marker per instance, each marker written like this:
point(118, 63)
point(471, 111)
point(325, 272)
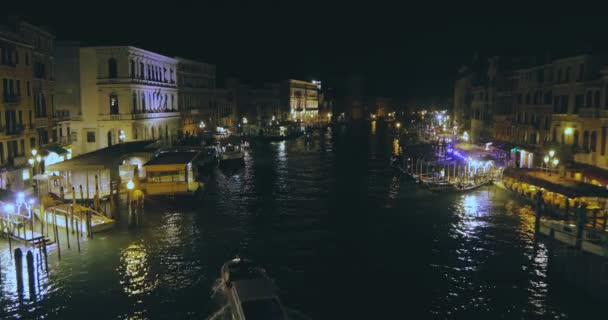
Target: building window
point(519, 99)
point(113, 104)
point(593, 141)
point(567, 74)
point(22, 147)
point(112, 69)
point(596, 99)
point(134, 102)
point(527, 98)
point(172, 102)
point(579, 99)
point(90, 136)
point(141, 70)
point(575, 138)
point(132, 69)
point(27, 59)
point(588, 100)
point(586, 140)
point(27, 88)
point(581, 71)
point(32, 143)
point(143, 101)
point(548, 96)
point(564, 105)
point(559, 75)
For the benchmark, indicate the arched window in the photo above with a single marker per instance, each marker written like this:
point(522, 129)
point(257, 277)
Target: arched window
point(134, 102)
point(135, 133)
point(575, 140)
point(596, 99)
point(143, 101)
point(586, 140)
point(113, 103)
point(132, 69)
point(142, 70)
point(112, 68)
point(172, 102)
point(588, 100)
point(554, 137)
point(593, 146)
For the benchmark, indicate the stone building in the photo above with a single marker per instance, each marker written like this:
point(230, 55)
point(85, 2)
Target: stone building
point(196, 95)
point(303, 101)
point(126, 94)
point(26, 70)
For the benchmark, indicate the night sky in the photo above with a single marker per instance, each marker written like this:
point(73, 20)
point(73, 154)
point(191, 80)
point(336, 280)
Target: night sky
point(401, 51)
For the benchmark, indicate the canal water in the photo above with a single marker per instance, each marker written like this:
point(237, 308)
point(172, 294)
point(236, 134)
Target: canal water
point(343, 235)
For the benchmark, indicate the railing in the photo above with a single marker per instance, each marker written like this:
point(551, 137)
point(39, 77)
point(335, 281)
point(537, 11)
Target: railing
point(12, 99)
point(589, 112)
point(152, 115)
point(62, 115)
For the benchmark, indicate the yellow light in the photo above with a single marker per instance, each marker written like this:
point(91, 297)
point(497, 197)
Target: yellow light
point(398, 125)
point(546, 159)
point(552, 153)
point(34, 151)
point(130, 185)
point(568, 130)
point(329, 115)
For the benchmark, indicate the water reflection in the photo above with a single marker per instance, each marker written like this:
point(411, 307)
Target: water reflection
point(396, 147)
point(134, 269)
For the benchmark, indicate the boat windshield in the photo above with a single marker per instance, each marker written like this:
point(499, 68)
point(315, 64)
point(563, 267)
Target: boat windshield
point(264, 309)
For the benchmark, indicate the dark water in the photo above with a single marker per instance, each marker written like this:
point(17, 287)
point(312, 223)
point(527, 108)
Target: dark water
point(344, 236)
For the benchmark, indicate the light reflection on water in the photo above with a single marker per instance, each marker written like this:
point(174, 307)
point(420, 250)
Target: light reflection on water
point(303, 209)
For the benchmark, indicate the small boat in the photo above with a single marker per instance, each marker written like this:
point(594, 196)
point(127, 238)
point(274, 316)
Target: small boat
point(231, 152)
point(250, 294)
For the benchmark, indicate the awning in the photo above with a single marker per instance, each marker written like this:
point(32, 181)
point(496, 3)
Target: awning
point(54, 147)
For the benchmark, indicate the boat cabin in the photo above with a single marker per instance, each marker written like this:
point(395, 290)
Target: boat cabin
point(172, 173)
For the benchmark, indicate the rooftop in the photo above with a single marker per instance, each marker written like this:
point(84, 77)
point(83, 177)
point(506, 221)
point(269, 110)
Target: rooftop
point(103, 158)
point(173, 158)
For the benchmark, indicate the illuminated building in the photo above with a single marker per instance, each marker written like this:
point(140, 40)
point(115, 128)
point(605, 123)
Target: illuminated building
point(26, 70)
point(126, 94)
point(196, 92)
point(303, 101)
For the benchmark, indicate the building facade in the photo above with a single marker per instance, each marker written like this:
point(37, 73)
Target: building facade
point(303, 99)
point(197, 98)
point(126, 94)
point(26, 105)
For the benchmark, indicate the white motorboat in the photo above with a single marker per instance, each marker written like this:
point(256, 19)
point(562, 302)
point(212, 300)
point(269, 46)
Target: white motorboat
point(250, 294)
point(231, 152)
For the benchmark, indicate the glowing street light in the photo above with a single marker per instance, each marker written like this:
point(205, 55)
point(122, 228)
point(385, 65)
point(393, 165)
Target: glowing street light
point(130, 185)
point(244, 120)
point(30, 161)
point(201, 125)
point(568, 131)
point(555, 162)
point(38, 158)
point(551, 153)
point(34, 152)
point(546, 160)
point(465, 136)
point(398, 125)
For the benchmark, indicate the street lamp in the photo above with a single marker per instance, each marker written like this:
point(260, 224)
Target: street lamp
point(546, 160)
point(34, 152)
point(551, 153)
point(555, 162)
point(568, 131)
point(121, 136)
point(201, 125)
point(244, 120)
point(398, 125)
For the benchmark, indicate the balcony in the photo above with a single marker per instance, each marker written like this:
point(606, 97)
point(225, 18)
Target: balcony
point(16, 130)
point(589, 112)
point(129, 80)
point(154, 115)
point(61, 115)
point(12, 99)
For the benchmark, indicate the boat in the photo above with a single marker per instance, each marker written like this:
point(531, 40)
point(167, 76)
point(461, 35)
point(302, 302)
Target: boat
point(250, 294)
point(231, 152)
point(172, 172)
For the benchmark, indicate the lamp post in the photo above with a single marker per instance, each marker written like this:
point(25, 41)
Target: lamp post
point(550, 159)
